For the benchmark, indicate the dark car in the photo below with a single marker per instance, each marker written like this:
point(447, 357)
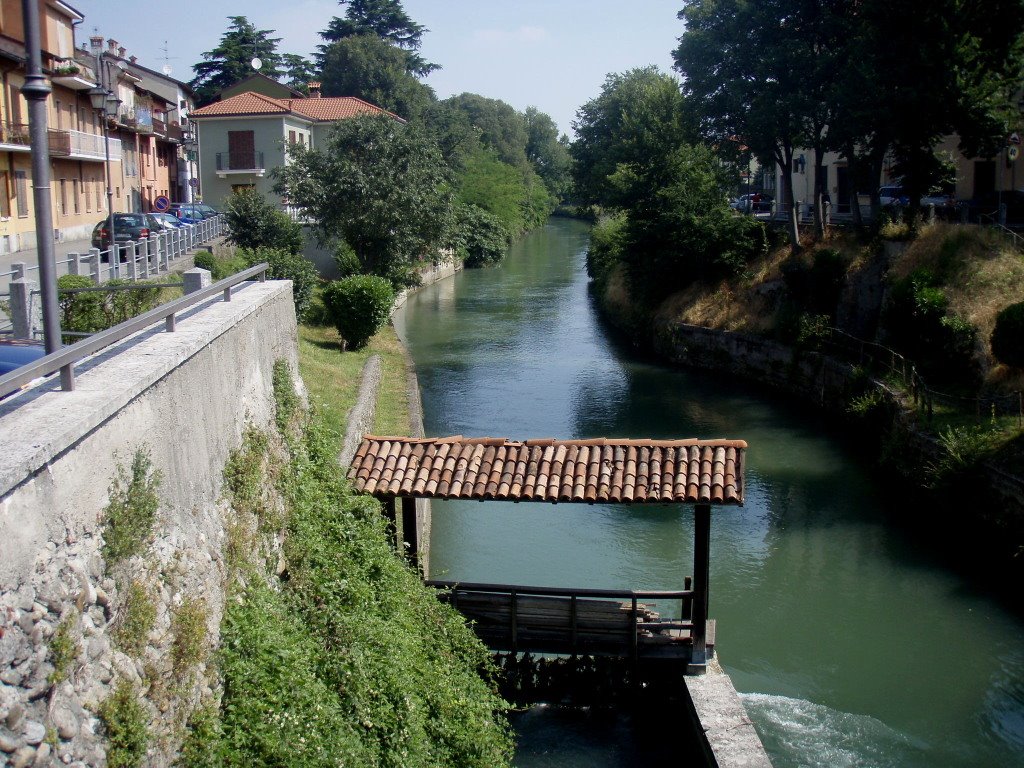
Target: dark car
point(192, 212)
point(127, 226)
point(15, 353)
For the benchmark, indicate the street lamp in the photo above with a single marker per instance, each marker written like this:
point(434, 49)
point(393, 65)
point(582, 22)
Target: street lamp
point(190, 145)
point(106, 104)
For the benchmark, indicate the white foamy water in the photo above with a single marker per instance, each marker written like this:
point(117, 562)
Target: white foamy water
point(801, 734)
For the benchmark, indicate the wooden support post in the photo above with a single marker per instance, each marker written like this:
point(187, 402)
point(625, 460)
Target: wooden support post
point(701, 573)
point(410, 536)
point(391, 507)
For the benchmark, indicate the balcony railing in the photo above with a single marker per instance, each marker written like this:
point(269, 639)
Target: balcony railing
point(14, 133)
point(159, 127)
point(244, 161)
point(81, 146)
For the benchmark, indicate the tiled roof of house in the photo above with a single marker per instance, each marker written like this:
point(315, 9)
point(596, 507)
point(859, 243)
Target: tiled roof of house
point(321, 109)
point(336, 108)
point(590, 471)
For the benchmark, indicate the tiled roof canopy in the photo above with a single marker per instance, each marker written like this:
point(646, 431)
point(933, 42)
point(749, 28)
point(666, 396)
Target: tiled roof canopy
point(589, 471)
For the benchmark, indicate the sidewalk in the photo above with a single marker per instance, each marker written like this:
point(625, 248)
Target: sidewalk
point(31, 255)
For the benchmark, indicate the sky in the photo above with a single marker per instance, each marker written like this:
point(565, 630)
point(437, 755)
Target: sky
point(550, 54)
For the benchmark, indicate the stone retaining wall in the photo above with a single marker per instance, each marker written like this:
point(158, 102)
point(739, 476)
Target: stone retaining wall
point(183, 398)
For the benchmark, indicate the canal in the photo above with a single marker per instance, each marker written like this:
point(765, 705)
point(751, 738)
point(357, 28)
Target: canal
point(850, 640)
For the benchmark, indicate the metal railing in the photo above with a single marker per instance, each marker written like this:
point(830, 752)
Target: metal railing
point(872, 356)
point(240, 161)
point(135, 261)
point(64, 359)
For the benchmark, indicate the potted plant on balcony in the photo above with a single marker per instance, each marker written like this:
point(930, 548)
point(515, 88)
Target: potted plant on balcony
point(66, 69)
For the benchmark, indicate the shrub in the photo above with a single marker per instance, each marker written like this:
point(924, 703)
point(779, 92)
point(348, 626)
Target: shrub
point(482, 238)
point(287, 266)
point(124, 721)
point(206, 260)
point(346, 259)
point(358, 307)
point(130, 514)
point(1008, 336)
point(136, 619)
point(255, 223)
point(81, 312)
point(220, 267)
point(606, 249)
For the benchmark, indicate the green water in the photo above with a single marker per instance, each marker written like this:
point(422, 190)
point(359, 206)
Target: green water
point(852, 642)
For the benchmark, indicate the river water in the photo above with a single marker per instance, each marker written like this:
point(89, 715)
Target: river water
point(851, 642)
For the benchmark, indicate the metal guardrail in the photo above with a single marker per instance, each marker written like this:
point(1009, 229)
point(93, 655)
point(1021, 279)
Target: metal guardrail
point(64, 359)
point(869, 354)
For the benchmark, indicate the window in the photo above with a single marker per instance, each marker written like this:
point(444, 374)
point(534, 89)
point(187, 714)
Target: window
point(291, 137)
point(5, 195)
point(64, 197)
point(21, 191)
point(60, 115)
point(74, 194)
point(241, 150)
point(99, 200)
point(86, 186)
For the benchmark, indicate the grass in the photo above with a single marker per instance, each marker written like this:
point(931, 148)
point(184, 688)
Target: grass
point(188, 625)
point(332, 378)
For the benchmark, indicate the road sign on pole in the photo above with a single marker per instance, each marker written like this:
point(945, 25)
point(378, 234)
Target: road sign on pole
point(161, 204)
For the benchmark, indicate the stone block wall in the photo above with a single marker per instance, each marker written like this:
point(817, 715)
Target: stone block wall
point(183, 399)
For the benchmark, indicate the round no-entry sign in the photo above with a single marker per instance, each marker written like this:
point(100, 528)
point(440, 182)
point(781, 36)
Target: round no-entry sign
point(161, 204)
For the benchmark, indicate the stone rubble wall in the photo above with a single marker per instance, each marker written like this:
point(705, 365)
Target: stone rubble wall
point(185, 398)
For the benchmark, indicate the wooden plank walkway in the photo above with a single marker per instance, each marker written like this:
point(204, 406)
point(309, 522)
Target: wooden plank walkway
point(575, 621)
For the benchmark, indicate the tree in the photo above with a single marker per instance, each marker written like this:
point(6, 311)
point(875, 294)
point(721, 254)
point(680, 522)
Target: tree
point(230, 61)
point(254, 222)
point(368, 68)
point(498, 124)
point(298, 72)
point(380, 186)
point(547, 152)
point(637, 120)
point(742, 66)
point(383, 19)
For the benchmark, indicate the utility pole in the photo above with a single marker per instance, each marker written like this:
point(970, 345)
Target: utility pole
point(36, 91)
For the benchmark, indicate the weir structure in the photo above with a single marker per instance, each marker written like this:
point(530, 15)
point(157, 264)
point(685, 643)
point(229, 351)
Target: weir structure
point(551, 619)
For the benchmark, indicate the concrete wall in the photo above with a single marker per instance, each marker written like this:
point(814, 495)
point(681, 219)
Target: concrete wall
point(185, 397)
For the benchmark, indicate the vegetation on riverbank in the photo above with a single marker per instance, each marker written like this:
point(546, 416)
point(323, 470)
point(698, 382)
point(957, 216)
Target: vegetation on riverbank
point(332, 651)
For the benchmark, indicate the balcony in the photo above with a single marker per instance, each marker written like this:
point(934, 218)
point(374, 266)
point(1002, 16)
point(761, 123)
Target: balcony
point(14, 137)
point(174, 132)
point(248, 161)
point(159, 128)
point(78, 145)
point(72, 74)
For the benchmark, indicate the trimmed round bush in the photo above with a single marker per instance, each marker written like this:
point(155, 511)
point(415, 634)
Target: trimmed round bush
point(1008, 336)
point(358, 306)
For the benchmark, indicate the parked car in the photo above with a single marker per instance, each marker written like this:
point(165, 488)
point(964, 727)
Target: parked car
point(167, 221)
point(127, 226)
point(190, 213)
point(15, 353)
point(892, 195)
point(755, 202)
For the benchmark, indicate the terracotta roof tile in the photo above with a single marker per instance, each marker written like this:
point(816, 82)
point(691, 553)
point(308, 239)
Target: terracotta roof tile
point(589, 471)
point(320, 109)
point(248, 103)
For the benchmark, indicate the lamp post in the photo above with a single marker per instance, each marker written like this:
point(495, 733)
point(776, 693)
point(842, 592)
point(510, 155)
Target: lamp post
point(190, 145)
point(106, 104)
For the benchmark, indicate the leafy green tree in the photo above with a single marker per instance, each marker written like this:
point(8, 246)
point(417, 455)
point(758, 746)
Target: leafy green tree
point(383, 19)
point(548, 152)
point(742, 75)
point(637, 118)
point(499, 126)
point(481, 238)
point(496, 187)
point(230, 61)
point(453, 131)
point(254, 222)
point(379, 185)
point(368, 68)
